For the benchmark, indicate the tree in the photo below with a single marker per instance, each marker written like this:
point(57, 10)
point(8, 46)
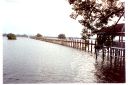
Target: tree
point(96, 14)
point(61, 36)
point(38, 35)
point(11, 36)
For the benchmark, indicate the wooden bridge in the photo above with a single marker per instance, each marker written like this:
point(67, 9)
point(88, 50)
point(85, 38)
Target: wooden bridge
point(74, 43)
point(88, 46)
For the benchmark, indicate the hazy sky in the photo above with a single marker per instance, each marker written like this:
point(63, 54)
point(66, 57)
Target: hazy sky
point(48, 17)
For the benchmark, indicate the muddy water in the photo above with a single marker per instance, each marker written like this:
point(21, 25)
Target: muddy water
point(31, 61)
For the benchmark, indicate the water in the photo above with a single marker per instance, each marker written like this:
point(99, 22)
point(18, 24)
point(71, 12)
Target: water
point(31, 61)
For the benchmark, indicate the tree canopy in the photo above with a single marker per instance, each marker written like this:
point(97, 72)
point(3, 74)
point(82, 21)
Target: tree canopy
point(95, 14)
point(38, 35)
point(61, 36)
point(11, 36)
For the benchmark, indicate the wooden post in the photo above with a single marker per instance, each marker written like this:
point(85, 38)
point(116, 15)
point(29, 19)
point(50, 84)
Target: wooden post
point(119, 52)
point(103, 52)
point(116, 51)
point(73, 43)
point(112, 51)
point(124, 57)
point(96, 52)
point(85, 44)
point(76, 44)
point(69, 43)
point(119, 39)
point(66, 42)
point(124, 53)
point(91, 46)
point(108, 51)
point(88, 45)
point(80, 44)
point(94, 46)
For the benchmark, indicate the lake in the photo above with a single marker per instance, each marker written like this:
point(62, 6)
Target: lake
point(32, 61)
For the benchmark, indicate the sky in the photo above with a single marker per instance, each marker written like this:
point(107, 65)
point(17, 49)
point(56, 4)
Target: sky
point(47, 17)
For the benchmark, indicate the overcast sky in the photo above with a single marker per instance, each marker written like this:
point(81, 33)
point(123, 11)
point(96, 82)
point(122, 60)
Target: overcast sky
point(48, 17)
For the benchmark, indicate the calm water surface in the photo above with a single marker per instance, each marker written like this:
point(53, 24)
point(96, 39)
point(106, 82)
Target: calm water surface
point(31, 61)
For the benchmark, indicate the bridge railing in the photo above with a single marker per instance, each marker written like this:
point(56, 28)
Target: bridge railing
point(88, 46)
point(81, 44)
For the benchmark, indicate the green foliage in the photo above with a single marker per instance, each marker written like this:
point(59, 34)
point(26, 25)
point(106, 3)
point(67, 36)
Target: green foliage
point(38, 35)
point(96, 14)
point(61, 36)
point(84, 37)
point(11, 36)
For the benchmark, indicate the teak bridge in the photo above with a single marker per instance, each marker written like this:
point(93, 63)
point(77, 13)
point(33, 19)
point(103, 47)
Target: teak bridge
point(114, 52)
point(88, 46)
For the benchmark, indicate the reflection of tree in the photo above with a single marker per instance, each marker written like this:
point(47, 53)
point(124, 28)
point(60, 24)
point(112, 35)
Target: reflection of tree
point(110, 72)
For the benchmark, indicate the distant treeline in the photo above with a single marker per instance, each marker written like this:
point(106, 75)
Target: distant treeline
point(38, 35)
point(17, 35)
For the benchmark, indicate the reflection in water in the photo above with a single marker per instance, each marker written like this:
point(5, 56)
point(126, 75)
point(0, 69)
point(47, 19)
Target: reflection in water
point(31, 61)
point(84, 67)
point(112, 71)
